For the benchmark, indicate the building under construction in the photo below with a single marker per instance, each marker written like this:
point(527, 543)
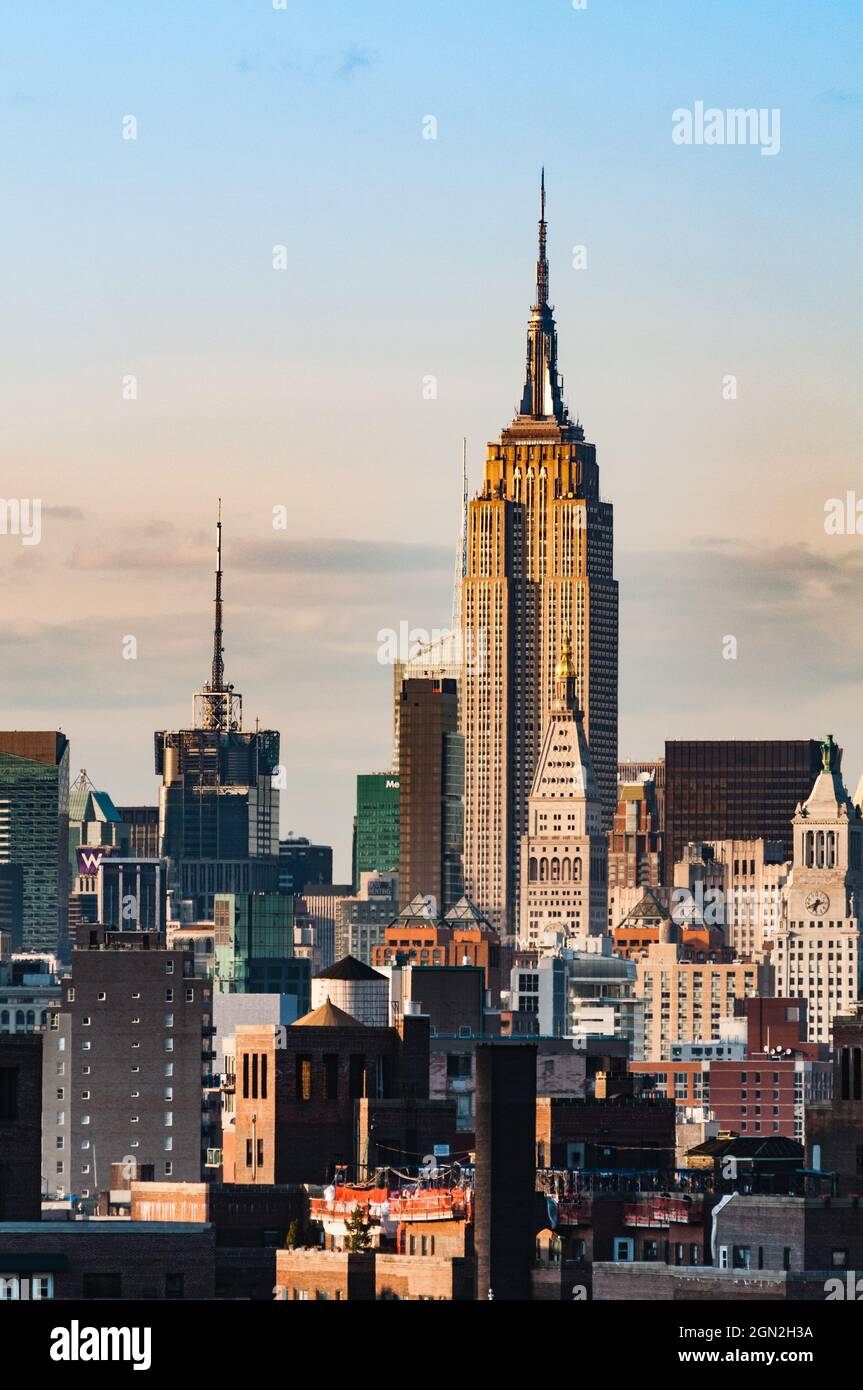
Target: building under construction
point(219, 800)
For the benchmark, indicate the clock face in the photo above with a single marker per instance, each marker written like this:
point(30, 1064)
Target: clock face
point(817, 903)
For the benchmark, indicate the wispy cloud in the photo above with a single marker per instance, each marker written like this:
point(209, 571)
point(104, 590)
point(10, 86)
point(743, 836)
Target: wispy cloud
point(356, 59)
point(837, 97)
point(342, 65)
point(281, 555)
point(63, 513)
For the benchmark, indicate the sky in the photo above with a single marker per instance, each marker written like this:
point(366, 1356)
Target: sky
point(156, 356)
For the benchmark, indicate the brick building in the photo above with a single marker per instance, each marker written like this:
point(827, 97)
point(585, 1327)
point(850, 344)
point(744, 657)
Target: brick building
point(297, 1090)
point(108, 1260)
point(834, 1128)
point(560, 1071)
point(20, 1126)
point(625, 1134)
point(790, 1233)
point(140, 1055)
point(250, 1223)
point(462, 937)
point(316, 1275)
point(758, 1095)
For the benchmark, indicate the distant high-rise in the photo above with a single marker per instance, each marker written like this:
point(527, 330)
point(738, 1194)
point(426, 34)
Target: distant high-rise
point(142, 826)
point(255, 946)
point(301, 863)
point(34, 835)
point(219, 801)
point(635, 840)
point(724, 789)
point(540, 565)
point(431, 777)
point(376, 833)
point(94, 823)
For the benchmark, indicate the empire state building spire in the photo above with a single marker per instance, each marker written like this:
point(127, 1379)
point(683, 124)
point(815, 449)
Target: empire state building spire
point(542, 263)
point(543, 389)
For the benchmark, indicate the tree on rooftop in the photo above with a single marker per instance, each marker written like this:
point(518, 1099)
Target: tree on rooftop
point(358, 1232)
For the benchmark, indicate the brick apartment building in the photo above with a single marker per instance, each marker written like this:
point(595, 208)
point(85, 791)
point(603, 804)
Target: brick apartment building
point(765, 1089)
point(140, 1055)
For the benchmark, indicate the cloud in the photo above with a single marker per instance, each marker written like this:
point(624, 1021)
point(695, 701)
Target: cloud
point(342, 66)
point(841, 98)
point(789, 609)
point(63, 513)
point(343, 557)
point(356, 59)
point(281, 555)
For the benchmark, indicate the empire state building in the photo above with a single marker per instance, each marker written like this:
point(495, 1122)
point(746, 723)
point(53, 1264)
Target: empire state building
point(540, 569)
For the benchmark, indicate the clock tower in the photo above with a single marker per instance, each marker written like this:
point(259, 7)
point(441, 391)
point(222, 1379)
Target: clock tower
point(817, 949)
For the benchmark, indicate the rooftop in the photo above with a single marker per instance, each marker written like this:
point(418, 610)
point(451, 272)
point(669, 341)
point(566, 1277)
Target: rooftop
point(349, 968)
point(328, 1016)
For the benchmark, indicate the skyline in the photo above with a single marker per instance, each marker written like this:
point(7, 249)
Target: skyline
point(259, 386)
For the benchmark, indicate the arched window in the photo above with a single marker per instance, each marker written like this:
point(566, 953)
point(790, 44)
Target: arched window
point(19, 1018)
point(555, 871)
point(576, 871)
point(810, 849)
point(567, 871)
point(819, 850)
point(532, 871)
point(543, 870)
point(831, 849)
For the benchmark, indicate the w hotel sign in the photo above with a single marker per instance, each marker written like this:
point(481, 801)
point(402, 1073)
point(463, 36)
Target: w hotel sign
point(89, 858)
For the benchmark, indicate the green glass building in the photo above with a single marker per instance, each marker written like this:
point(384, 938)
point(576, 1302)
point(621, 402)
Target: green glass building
point(34, 834)
point(255, 947)
point(376, 834)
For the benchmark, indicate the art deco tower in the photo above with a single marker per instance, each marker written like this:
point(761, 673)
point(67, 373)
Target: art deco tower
point(564, 855)
point(539, 567)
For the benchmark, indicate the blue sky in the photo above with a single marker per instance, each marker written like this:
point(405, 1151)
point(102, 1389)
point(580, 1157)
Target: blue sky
point(408, 257)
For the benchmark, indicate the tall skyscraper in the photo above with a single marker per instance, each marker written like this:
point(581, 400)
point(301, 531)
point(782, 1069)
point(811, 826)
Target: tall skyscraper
point(431, 776)
point(540, 566)
point(219, 801)
point(34, 835)
point(564, 869)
